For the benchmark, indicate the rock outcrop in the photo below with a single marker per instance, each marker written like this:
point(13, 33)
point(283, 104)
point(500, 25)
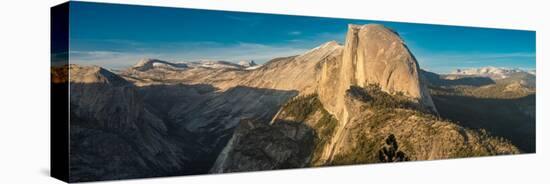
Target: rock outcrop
point(298, 73)
point(373, 54)
point(293, 139)
point(375, 115)
point(304, 134)
point(94, 75)
point(257, 146)
point(112, 133)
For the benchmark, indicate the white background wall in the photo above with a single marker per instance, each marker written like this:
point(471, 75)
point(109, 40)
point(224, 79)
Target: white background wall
point(24, 90)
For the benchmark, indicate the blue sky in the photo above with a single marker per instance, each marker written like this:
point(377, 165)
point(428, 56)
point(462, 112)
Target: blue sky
point(117, 36)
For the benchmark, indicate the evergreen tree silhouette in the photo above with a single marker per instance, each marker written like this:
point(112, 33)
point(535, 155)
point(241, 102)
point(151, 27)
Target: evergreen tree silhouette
point(390, 152)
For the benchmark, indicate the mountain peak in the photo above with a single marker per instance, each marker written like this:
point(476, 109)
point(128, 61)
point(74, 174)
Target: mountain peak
point(330, 44)
point(373, 27)
point(93, 74)
point(326, 47)
point(147, 64)
point(144, 62)
point(361, 26)
point(247, 64)
point(373, 55)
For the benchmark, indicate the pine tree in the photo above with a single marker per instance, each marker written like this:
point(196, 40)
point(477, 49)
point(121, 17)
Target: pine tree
point(390, 152)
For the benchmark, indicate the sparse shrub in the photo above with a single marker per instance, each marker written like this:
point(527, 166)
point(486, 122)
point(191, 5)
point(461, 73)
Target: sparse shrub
point(302, 106)
point(374, 97)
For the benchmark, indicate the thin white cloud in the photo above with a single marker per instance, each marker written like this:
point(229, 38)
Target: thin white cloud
point(240, 51)
point(295, 33)
point(108, 59)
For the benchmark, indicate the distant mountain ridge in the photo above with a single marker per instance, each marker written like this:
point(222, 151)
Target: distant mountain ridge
point(149, 64)
point(491, 72)
point(248, 64)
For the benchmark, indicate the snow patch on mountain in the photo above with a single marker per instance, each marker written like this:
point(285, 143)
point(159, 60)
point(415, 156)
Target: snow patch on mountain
point(491, 72)
point(148, 64)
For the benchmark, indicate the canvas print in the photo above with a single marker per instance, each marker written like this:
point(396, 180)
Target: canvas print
point(141, 91)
